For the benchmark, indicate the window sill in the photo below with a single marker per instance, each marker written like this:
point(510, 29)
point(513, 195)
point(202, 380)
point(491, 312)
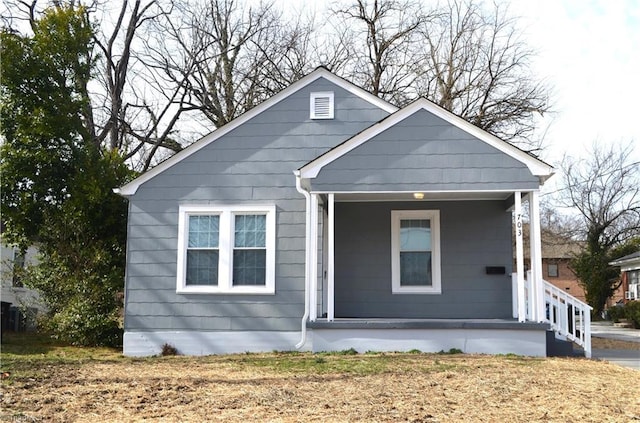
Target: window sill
point(417, 290)
point(207, 290)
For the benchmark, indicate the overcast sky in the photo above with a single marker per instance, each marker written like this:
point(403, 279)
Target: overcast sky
point(589, 51)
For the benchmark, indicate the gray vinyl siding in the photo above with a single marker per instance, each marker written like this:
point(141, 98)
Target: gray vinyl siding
point(253, 164)
point(473, 234)
point(424, 153)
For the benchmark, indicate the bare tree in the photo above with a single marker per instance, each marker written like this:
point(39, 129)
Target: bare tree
point(139, 110)
point(478, 67)
point(381, 39)
point(463, 57)
point(230, 57)
point(604, 188)
point(166, 62)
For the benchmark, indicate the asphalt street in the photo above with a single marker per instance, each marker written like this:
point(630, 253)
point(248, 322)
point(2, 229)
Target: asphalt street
point(626, 358)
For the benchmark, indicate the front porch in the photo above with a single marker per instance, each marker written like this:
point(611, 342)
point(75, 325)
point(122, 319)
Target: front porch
point(410, 230)
point(481, 305)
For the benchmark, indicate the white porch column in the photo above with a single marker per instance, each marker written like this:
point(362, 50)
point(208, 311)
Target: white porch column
point(313, 259)
point(538, 312)
point(517, 212)
point(330, 258)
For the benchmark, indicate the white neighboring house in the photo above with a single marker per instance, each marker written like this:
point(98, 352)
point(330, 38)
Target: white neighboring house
point(630, 274)
point(20, 304)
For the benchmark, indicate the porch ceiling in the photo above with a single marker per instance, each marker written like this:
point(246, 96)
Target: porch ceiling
point(428, 196)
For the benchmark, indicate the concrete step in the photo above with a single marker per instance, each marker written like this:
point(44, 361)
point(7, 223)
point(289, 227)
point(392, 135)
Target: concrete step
point(561, 348)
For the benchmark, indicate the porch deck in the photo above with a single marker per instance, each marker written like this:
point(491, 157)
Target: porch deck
point(481, 336)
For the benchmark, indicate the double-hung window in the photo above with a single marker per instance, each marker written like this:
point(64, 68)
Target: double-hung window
point(226, 249)
point(250, 249)
point(415, 251)
point(203, 253)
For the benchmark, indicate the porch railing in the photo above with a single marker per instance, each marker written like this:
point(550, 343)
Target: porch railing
point(568, 316)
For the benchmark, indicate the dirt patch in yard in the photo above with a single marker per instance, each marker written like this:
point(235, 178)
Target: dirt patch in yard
point(320, 387)
point(614, 344)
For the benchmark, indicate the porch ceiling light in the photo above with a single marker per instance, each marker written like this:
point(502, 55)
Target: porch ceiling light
point(418, 195)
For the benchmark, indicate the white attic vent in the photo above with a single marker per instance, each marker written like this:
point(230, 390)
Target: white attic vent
point(321, 105)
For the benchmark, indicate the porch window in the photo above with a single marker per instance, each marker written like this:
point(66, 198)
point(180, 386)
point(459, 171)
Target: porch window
point(227, 250)
point(415, 249)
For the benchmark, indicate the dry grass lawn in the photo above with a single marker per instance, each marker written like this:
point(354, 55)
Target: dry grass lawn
point(67, 384)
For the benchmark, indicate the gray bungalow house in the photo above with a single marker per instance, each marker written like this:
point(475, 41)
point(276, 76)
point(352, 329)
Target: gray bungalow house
point(327, 219)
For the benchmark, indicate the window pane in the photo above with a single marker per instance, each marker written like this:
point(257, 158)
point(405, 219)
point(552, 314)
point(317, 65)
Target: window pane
point(249, 267)
point(204, 231)
point(415, 235)
point(552, 270)
point(250, 231)
point(18, 268)
point(202, 267)
point(415, 269)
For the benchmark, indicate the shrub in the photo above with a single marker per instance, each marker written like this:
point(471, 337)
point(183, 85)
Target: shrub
point(168, 349)
point(615, 313)
point(451, 351)
point(632, 313)
point(86, 324)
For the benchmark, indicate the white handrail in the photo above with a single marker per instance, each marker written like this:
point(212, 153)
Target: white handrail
point(568, 316)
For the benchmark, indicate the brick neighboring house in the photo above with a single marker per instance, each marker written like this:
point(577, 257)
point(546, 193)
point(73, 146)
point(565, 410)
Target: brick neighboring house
point(556, 255)
point(557, 252)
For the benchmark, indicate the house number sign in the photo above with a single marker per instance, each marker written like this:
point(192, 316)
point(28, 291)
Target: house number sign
point(518, 225)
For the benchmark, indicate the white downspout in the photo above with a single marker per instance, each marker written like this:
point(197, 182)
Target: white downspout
point(307, 268)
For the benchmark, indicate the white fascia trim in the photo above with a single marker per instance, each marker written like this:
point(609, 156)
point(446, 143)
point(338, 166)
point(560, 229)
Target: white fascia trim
point(506, 192)
point(132, 187)
point(488, 191)
point(225, 283)
point(628, 264)
point(536, 166)
point(630, 267)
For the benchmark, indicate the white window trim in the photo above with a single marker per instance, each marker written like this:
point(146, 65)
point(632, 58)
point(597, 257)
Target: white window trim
point(312, 105)
point(225, 248)
point(434, 217)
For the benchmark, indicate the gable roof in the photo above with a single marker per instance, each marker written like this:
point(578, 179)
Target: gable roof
point(535, 165)
point(132, 187)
